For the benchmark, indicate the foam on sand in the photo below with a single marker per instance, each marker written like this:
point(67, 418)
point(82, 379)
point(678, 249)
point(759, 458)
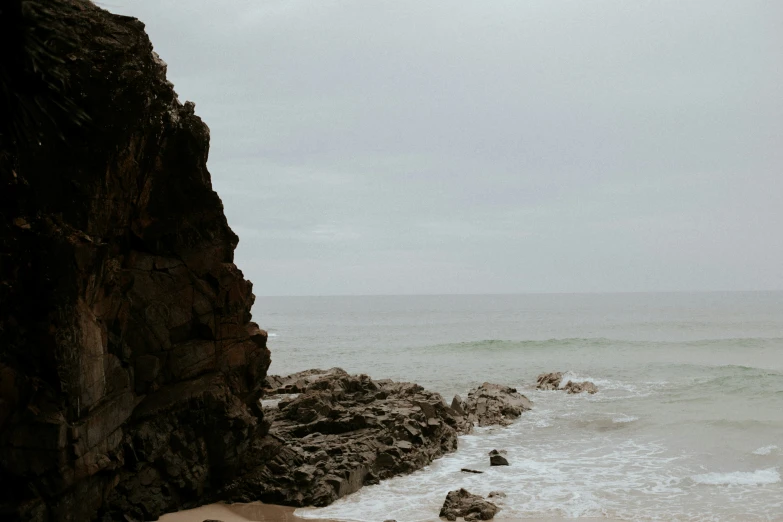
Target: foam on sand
point(739, 478)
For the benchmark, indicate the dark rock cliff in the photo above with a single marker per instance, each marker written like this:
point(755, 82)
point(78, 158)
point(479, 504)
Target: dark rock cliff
point(129, 368)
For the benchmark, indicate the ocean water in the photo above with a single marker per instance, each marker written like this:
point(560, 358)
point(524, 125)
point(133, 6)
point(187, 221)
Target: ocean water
point(687, 425)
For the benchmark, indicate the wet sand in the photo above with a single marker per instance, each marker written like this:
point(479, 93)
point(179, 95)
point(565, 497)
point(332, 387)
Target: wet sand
point(252, 512)
point(258, 512)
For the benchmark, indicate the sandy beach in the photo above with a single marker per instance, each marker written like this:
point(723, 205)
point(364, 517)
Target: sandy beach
point(258, 512)
point(254, 511)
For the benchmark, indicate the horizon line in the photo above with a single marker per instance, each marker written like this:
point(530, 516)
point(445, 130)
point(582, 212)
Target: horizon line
point(624, 292)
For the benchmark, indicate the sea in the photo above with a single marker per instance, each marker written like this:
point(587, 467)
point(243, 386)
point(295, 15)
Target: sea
point(687, 424)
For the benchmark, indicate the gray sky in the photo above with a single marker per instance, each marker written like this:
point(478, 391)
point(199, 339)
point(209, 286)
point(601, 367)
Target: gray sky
point(396, 147)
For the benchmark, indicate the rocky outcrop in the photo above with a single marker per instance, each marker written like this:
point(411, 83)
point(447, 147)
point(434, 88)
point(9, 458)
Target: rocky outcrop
point(579, 387)
point(549, 381)
point(129, 368)
point(461, 503)
point(340, 432)
point(494, 404)
point(332, 433)
point(553, 381)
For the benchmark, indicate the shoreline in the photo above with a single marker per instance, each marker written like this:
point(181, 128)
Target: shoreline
point(485, 406)
point(239, 512)
point(260, 512)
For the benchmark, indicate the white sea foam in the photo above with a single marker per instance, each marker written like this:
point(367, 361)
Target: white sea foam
point(765, 450)
point(272, 401)
point(545, 478)
point(638, 388)
point(574, 455)
point(739, 478)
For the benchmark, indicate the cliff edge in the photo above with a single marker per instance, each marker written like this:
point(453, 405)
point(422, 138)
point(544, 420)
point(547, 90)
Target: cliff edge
point(129, 368)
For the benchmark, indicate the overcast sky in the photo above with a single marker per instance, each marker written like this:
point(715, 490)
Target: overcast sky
point(409, 147)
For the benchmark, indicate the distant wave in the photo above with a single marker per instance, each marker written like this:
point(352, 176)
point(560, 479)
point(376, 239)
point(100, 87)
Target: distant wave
point(529, 343)
point(744, 424)
point(746, 379)
point(739, 478)
point(604, 341)
point(623, 419)
point(765, 450)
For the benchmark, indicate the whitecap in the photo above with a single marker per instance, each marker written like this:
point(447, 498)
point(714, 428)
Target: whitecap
point(765, 450)
point(622, 419)
point(739, 478)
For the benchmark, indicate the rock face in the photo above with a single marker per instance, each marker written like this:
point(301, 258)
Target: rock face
point(494, 404)
point(341, 432)
point(130, 373)
point(461, 503)
point(129, 367)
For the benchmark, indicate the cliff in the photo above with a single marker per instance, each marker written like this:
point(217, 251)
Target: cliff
point(129, 368)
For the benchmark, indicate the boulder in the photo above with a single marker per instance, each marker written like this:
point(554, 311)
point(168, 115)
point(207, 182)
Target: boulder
point(553, 381)
point(461, 503)
point(458, 405)
point(549, 381)
point(579, 387)
point(497, 458)
point(494, 404)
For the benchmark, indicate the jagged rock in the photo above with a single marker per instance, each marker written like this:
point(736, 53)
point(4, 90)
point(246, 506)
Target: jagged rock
point(549, 381)
point(468, 470)
point(340, 433)
point(461, 503)
point(494, 404)
point(579, 387)
point(458, 405)
point(496, 458)
point(295, 383)
point(496, 494)
point(553, 381)
point(128, 357)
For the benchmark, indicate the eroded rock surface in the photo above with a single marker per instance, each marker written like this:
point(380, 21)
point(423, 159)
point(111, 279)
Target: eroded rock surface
point(129, 366)
point(579, 387)
point(461, 503)
point(549, 381)
point(341, 432)
point(495, 404)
